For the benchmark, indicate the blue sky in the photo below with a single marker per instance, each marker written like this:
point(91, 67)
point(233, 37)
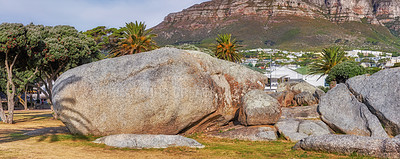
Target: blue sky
point(87, 14)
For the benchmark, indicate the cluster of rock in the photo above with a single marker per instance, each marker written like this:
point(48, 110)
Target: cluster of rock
point(297, 94)
point(170, 91)
point(367, 109)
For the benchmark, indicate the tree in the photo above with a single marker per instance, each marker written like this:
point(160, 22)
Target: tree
point(17, 44)
point(136, 39)
point(106, 39)
point(226, 48)
point(65, 48)
point(345, 70)
point(328, 59)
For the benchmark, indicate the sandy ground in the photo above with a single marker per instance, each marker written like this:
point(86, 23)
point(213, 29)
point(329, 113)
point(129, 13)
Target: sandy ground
point(43, 146)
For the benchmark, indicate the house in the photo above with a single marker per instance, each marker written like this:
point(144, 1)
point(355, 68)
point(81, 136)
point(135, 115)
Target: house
point(286, 74)
point(281, 74)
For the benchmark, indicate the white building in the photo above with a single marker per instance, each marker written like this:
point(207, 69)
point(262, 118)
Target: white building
point(286, 74)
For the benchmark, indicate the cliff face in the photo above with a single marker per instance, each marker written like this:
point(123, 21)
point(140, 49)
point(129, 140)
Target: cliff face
point(202, 19)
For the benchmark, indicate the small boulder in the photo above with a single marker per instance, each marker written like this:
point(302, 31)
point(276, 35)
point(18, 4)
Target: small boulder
point(259, 109)
point(295, 130)
point(249, 133)
point(350, 144)
point(147, 141)
point(316, 127)
point(305, 99)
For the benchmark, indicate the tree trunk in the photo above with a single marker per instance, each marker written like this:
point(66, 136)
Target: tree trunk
point(31, 99)
point(25, 98)
point(49, 98)
point(10, 97)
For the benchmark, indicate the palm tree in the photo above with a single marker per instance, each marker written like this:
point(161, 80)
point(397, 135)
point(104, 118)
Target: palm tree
point(329, 58)
point(136, 39)
point(226, 48)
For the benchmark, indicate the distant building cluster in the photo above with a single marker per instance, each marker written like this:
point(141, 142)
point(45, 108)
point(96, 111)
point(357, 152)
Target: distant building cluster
point(280, 65)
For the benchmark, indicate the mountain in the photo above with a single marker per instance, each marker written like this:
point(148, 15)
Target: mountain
point(287, 24)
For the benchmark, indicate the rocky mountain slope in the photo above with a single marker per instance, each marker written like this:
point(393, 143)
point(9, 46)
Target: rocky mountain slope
point(287, 23)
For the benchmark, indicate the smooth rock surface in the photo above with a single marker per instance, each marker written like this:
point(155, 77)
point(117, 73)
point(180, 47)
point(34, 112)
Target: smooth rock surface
point(165, 91)
point(316, 127)
point(249, 133)
point(259, 109)
point(381, 93)
point(148, 141)
point(295, 130)
point(345, 114)
point(350, 144)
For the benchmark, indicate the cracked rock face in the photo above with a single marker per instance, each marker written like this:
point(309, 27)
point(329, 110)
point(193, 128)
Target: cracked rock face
point(345, 114)
point(380, 92)
point(365, 105)
point(165, 91)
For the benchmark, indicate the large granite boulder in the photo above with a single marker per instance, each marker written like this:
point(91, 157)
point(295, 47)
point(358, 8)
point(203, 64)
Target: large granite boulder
point(297, 94)
point(136, 141)
point(380, 92)
point(350, 144)
point(165, 91)
point(345, 114)
point(259, 109)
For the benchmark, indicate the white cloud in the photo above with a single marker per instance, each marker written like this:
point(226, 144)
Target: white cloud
point(87, 14)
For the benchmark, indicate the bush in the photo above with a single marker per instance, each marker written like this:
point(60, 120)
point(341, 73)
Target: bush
point(345, 70)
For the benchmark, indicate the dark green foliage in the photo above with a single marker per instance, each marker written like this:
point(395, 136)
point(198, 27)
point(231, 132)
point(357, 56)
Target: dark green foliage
point(226, 48)
point(372, 70)
point(396, 65)
point(136, 39)
point(328, 59)
point(345, 70)
point(106, 39)
point(325, 89)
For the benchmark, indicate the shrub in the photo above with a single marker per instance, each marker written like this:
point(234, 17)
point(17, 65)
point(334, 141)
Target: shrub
point(345, 70)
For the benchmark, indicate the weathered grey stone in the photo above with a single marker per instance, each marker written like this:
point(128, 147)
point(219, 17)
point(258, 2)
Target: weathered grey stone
point(165, 91)
point(349, 144)
point(304, 112)
point(305, 99)
point(316, 127)
point(259, 109)
point(381, 93)
point(373, 124)
point(289, 130)
point(148, 141)
point(345, 114)
point(249, 133)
